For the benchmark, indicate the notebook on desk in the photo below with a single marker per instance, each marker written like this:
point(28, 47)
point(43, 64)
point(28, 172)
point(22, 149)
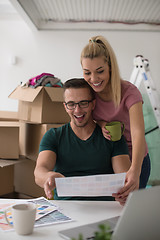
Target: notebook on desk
point(140, 219)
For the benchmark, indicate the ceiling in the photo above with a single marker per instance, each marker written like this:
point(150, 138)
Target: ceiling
point(89, 14)
point(6, 8)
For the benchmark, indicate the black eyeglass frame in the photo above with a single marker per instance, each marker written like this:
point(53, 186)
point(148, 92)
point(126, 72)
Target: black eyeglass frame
point(78, 103)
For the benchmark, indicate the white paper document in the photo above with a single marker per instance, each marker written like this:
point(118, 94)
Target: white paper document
point(94, 185)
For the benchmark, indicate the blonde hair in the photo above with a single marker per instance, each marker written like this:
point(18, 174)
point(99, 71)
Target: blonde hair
point(98, 46)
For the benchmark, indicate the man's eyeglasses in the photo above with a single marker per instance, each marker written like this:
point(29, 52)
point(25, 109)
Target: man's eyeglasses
point(82, 104)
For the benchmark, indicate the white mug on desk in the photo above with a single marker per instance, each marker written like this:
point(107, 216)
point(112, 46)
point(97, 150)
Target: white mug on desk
point(23, 216)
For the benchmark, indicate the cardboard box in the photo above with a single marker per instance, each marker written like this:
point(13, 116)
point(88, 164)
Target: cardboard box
point(7, 175)
point(8, 116)
point(40, 105)
point(6, 180)
point(30, 138)
point(24, 180)
point(9, 140)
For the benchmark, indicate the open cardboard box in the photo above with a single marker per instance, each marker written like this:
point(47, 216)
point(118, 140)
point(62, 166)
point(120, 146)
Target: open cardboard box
point(18, 176)
point(24, 181)
point(9, 140)
point(7, 175)
point(40, 105)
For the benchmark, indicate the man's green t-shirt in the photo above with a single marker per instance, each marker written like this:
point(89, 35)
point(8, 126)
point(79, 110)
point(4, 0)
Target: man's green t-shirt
point(76, 157)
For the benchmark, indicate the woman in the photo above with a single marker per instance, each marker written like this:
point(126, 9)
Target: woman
point(117, 100)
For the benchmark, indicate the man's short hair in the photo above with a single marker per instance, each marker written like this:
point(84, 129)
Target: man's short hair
point(78, 83)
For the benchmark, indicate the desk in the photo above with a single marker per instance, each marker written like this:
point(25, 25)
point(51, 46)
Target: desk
point(83, 212)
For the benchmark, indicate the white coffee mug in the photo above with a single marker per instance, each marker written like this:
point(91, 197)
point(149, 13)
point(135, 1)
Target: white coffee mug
point(23, 215)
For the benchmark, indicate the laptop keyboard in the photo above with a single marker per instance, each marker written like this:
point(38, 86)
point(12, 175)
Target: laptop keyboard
point(89, 230)
point(111, 222)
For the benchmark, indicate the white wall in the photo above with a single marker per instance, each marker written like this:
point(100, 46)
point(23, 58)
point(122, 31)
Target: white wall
point(58, 52)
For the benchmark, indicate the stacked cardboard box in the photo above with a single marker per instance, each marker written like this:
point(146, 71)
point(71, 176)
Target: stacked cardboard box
point(30, 137)
point(6, 177)
point(39, 110)
point(9, 140)
point(9, 149)
point(8, 116)
point(7, 169)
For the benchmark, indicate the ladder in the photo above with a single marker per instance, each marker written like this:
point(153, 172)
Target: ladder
point(141, 74)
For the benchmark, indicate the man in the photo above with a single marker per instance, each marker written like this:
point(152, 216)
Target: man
point(78, 148)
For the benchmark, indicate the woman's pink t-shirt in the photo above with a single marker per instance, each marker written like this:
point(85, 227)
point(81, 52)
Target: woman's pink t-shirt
point(108, 112)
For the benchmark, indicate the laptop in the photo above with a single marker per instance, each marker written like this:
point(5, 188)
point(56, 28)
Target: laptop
point(140, 219)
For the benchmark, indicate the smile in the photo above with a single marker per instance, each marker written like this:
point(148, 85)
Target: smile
point(97, 84)
point(79, 116)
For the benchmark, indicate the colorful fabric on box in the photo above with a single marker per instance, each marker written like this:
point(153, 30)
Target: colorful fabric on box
point(34, 80)
point(45, 79)
point(50, 81)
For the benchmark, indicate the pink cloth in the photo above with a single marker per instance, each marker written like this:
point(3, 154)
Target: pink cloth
point(33, 80)
point(106, 110)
